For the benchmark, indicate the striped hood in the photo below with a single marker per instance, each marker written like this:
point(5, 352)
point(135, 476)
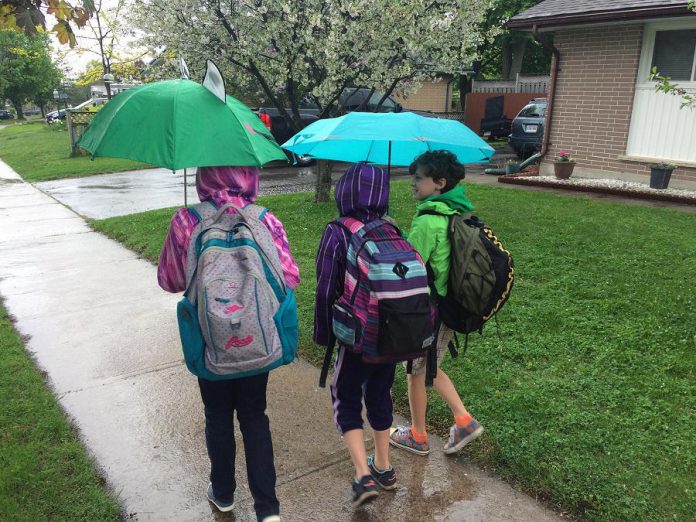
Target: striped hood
point(362, 192)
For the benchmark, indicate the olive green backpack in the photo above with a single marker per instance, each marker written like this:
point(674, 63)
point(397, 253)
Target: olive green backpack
point(481, 275)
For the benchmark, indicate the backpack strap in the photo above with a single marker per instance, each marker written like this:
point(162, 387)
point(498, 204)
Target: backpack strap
point(353, 225)
point(256, 210)
point(327, 362)
point(202, 211)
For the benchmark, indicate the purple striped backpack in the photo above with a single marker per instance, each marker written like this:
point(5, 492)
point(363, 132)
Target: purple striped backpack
point(385, 312)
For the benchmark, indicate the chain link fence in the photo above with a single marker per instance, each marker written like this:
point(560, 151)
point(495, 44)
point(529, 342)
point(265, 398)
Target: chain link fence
point(452, 115)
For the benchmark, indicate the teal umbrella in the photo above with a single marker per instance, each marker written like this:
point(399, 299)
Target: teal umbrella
point(178, 124)
point(387, 139)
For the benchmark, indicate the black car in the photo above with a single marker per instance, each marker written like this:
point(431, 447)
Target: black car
point(528, 128)
point(5, 115)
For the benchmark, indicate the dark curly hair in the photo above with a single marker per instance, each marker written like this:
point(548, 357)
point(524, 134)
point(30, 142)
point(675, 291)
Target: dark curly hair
point(439, 164)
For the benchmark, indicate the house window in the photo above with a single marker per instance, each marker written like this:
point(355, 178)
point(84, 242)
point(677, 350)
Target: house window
point(660, 130)
point(674, 55)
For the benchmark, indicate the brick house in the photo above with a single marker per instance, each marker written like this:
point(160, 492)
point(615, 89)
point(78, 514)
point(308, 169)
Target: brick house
point(603, 109)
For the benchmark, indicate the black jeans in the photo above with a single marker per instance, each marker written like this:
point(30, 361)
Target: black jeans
point(248, 397)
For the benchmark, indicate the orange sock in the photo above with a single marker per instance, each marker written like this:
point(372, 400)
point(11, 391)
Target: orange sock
point(463, 420)
point(419, 437)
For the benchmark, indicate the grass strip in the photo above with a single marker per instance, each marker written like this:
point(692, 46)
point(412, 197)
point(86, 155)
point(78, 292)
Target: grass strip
point(38, 153)
point(46, 473)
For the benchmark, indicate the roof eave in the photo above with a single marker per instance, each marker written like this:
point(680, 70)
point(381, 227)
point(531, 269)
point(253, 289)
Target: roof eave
point(527, 24)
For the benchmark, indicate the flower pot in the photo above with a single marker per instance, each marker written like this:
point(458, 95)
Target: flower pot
point(563, 169)
point(512, 168)
point(659, 178)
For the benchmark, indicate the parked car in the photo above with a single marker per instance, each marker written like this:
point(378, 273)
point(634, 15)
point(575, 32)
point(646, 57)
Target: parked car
point(528, 128)
point(352, 99)
point(5, 115)
point(31, 111)
point(55, 115)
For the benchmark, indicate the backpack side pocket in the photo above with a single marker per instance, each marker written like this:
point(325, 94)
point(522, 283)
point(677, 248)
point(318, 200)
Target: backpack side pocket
point(191, 337)
point(346, 326)
point(287, 325)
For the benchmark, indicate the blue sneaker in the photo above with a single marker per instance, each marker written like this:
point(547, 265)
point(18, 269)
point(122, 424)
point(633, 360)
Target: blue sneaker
point(222, 506)
point(364, 490)
point(386, 479)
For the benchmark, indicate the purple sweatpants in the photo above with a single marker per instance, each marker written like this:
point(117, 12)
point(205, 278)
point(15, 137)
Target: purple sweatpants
point(354, 381)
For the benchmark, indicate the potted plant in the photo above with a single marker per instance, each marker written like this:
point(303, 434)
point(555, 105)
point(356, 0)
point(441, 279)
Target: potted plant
point(563, 165)
point(511, 167)
point(660, 174)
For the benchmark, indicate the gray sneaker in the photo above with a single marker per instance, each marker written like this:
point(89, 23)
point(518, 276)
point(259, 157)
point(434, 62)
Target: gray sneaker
point(460, 436)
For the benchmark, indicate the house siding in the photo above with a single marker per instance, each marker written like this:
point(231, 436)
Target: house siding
point(433, 95)
point(594, 99)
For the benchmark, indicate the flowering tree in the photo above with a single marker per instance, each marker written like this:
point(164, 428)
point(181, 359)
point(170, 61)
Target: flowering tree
point(291, 49)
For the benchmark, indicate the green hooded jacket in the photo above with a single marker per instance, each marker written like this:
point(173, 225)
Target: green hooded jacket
point(429, 235)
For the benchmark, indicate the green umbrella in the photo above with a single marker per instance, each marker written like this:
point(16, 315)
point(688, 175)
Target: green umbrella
point(178, 124)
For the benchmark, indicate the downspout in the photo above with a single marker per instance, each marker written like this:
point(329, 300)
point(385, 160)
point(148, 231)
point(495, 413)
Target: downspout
point(555, 61)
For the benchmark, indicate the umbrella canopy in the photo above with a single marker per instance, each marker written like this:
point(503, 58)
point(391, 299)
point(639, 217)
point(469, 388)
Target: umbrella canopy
point(387, 138)
point(178, 124)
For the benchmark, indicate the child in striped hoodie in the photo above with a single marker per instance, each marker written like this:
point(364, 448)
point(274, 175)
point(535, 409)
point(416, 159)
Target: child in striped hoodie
point(361, 193)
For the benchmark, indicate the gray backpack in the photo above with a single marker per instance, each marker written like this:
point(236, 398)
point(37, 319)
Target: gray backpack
point(237, 317)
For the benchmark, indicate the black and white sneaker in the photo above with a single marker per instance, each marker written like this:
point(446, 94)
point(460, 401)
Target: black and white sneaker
point(364, 490)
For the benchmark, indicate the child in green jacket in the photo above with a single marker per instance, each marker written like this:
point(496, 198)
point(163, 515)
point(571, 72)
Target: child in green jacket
point(435, 183)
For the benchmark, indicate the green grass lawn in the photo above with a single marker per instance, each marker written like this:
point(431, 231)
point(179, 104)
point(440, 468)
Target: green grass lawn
point(38, 153)
point(589, 395)
point(45, 473)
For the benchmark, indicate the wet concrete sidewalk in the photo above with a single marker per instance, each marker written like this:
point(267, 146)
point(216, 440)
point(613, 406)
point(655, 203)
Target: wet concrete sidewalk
point(106, 336)
point(107, 195)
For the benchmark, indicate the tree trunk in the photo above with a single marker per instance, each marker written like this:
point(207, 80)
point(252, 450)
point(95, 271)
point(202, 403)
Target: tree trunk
point(323, 189)
point(18, 110)
point(465, 85)
point(518, 48)
point(506, 58)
